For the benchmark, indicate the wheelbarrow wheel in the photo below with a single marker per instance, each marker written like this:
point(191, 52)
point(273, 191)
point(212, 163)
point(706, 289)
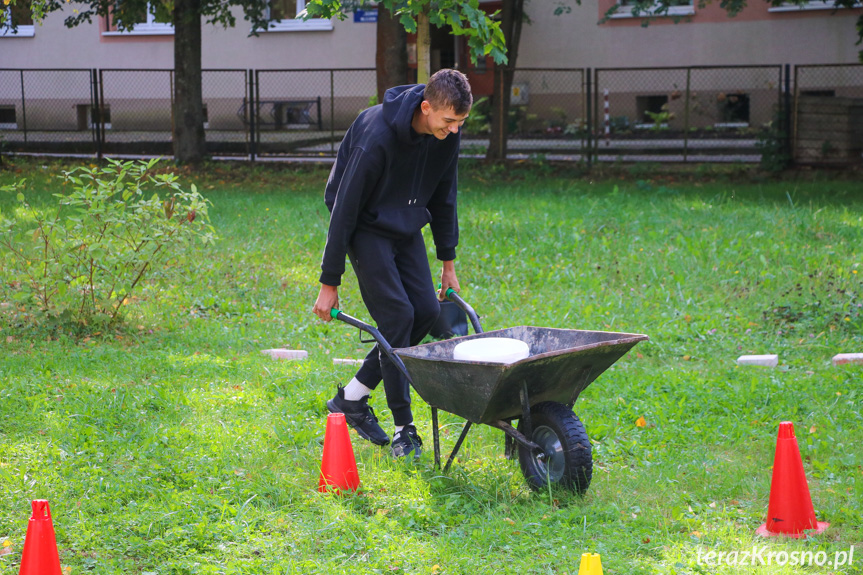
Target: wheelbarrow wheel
point(566, 459)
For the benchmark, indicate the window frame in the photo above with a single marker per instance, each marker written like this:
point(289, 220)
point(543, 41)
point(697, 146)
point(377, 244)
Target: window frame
point(148, 28)
point(626, 11)
point(298, 25)
point(810, 5)
point(8, 30)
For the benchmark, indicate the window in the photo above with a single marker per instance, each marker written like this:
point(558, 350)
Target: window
point(810, 5)
point(8, 118)
point(733, 110)
point(88, 116)
point(647, 108)
point(18, 21)
point(629, 9)
point(154, 19)
point(283, 17)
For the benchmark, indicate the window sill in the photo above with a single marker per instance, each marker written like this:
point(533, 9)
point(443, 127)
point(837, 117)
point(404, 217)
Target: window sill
point(807, 6)
point(20, 32)
point(316, 25)
point(626, 12)
point(143, 31)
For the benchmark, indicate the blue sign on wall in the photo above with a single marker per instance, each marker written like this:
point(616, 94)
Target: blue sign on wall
point(365, 16)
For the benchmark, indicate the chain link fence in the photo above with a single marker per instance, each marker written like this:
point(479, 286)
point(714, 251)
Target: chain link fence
point(686, 114)
point(828, 114)
point(136, 112)
point(689, 114)
point(547, 116)
point(47, 110)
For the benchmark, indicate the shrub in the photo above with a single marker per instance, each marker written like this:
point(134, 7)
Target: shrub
point(81, 261)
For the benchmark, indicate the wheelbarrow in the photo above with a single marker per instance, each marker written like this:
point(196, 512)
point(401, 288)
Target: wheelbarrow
point(539, 391)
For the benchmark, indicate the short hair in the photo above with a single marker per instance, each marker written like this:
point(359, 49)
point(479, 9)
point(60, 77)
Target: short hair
point(449, 88)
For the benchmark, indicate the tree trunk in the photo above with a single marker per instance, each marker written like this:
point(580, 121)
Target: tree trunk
point(188, 111)
point(512, 17)
point(391, 58)
point(423, 49)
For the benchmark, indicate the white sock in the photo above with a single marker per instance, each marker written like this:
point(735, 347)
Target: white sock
point(400, 427)
point(355, 390)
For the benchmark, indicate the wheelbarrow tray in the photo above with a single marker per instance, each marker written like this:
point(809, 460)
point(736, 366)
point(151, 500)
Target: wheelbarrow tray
point(562, 363)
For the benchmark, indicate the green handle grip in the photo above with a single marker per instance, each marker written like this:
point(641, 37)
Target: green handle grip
point(449, 291)
point(334, 313)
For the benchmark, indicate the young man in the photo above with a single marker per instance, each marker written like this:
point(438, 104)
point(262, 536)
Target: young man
point(395, 172)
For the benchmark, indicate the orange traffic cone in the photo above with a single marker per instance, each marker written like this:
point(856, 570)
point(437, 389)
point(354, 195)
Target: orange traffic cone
point(790, 510)
point(40, 546)
point(338, 466)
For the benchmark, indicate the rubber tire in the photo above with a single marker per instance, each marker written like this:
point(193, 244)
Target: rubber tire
point(572, 465)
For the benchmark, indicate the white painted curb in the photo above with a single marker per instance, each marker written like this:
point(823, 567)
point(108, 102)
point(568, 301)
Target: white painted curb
point(337, 361)
point(843, 358)
point(762, 360)
point(286, 353)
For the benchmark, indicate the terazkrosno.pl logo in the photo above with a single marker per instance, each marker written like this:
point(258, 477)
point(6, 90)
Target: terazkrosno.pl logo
point(764, 556)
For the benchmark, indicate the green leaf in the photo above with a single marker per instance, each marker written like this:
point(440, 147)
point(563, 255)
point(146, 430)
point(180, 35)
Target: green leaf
point(409, 23)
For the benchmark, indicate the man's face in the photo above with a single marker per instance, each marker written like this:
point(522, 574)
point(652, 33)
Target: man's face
point(443, 122)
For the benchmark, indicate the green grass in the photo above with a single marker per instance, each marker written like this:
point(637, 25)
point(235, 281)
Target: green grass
point(174, 446)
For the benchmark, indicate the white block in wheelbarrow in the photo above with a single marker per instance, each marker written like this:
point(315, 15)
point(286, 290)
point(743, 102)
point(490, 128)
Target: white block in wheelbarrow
point(763, 360)
point(491, 350)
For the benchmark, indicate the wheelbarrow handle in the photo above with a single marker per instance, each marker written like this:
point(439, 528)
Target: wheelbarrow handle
point(466, 307)
point(383, 344)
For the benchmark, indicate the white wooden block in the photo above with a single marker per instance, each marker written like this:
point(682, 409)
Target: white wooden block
point(763, 360)
point(337, 361)
point(286, 353)
point(843, 358)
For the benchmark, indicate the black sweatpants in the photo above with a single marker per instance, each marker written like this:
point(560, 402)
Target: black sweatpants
point(396, 285)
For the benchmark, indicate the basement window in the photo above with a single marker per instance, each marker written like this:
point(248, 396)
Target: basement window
point(8, 118)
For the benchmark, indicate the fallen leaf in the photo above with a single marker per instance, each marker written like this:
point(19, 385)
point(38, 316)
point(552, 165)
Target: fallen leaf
point(812, 429)
point(712, 504)
point(640, 422)
point(510, 521)
point(696, 534)
point(646, 540)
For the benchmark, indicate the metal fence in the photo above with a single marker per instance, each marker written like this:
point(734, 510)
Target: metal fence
point(689, 114)
point(547, 115)
point(686, 114)
point(827, 123)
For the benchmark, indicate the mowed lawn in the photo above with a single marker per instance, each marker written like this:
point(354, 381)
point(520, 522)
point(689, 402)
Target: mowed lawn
point(174, 446)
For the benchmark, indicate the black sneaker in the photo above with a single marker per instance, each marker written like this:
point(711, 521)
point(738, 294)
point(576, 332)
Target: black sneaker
point(360, 416)
point(407, 441)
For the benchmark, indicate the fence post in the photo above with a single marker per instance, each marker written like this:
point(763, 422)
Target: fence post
point(589, 120)
point(101, 111)
point(256, 99)
point(95, 114)
point(23, 108)
point(786, 113)
point(686, 116)
point(250, 114)
point(333, 112)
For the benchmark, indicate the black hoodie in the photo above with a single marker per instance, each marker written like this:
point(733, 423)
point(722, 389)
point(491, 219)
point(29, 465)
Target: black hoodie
point(392, 181)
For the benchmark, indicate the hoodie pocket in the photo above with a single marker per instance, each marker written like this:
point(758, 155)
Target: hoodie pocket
point(401, 221)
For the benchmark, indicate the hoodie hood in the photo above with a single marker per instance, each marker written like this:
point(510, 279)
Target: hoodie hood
point(399, 106)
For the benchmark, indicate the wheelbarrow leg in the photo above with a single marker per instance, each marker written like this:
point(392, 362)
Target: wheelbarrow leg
point(436, 436)
point(458, 443)
point(508, 444)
